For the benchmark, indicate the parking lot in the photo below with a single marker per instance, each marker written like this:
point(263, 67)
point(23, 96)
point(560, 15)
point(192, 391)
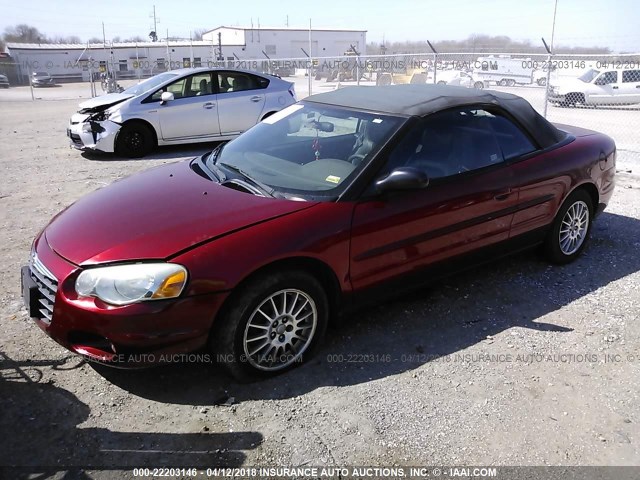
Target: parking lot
point(445, 376)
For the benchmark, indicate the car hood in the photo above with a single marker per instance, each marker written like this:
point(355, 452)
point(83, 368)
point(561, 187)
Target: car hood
point(156, 214)
point(103, 102)
point(569, 84)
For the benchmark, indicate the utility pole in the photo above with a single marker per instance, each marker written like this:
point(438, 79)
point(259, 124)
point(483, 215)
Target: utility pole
point(168, 52)
point(104, 45)
point(155, 21)
point(154, 32)
point(220, 57)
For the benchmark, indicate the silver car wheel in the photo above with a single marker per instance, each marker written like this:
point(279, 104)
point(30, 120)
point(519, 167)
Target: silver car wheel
point(574, 227)
point(280, 329)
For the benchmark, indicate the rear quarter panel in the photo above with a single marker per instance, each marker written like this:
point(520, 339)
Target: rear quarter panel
point(546, 180)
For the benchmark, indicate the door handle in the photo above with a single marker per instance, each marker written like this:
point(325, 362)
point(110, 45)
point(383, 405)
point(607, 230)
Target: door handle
point(503, 195)
point(615, 88)
point(637, 86)
point(256, 98)
point(209, 105)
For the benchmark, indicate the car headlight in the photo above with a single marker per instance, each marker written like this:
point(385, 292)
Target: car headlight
point(126, 284)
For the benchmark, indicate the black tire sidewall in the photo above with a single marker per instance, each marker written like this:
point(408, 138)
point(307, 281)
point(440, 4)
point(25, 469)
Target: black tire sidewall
point(128, 128)
point(228, 333)
point(552, 243)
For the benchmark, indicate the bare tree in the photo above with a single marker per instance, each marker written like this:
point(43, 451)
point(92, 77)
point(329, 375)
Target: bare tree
point(198, 32)
point(69, 39)
point(135, 38)
point(24, 33)
point(479, 43)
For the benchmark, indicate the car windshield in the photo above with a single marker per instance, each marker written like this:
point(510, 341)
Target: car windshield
point(589, 75)
point(149, 84)
point(308, 150)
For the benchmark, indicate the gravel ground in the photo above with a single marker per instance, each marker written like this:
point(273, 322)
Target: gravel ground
point(514, 363)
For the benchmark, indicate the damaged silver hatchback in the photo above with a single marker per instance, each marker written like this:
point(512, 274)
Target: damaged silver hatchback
point(181, 106)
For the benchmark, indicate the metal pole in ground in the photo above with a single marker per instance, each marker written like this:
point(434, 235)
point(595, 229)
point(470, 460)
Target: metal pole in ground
point(310, 59)
point(550, 52)
point(546, 87)
point(435, 61)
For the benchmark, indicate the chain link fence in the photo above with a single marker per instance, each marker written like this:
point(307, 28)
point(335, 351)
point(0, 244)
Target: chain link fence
point(598, 92)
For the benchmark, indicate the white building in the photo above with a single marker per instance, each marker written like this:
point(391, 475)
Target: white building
point(279, 43)
point(230, 46)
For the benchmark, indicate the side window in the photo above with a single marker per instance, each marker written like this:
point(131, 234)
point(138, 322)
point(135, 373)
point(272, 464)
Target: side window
point(192, 86)
point(513, 142)
point(199, 85)
point(177, 88)
point(607, 77)
point(238, 82)
point(449, 143)
point(631, 76)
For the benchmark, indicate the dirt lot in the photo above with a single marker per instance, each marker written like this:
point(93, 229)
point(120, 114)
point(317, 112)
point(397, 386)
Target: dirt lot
point(515, 363)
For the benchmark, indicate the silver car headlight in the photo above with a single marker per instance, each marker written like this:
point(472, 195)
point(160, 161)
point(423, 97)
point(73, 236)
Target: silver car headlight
point(127, 284)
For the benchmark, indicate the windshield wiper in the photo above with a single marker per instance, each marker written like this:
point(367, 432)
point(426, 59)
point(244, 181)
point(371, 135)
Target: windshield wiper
point(265, 188)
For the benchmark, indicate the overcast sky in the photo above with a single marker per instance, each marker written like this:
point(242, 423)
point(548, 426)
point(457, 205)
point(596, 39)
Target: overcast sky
point(612, 23)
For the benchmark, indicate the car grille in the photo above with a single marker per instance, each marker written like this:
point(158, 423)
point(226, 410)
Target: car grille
point(75, 139)
point(47, 287)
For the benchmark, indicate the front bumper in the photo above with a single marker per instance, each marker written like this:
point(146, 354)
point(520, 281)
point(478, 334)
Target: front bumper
point(128, 336)
point(90, 135)
point(556, 97)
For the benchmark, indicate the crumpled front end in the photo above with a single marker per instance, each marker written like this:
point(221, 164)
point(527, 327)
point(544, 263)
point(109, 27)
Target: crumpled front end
point(86, 133)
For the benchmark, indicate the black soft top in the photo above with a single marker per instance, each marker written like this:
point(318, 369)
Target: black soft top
point(420, 100)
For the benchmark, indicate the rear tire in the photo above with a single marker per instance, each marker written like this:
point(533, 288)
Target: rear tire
point(286, 312)
point(134, 140)
point(478, 86)
point(571, 228)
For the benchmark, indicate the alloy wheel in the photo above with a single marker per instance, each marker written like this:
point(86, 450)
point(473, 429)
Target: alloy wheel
point(280, 329)
point(574, 227)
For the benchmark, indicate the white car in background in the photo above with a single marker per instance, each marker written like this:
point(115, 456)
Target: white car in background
point(459, 78)
point(597, 87)
point(176, 107)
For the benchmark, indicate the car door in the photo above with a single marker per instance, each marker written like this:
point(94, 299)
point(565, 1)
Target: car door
point(629, 91)
point(193, 111)
point(604, 90)
point(468, 205)
point(241, 99)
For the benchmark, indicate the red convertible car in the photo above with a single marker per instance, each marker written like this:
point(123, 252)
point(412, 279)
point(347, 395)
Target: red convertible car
point(343, 197)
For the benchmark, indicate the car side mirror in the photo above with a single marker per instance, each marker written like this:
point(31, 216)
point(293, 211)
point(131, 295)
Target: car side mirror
point(166, 97)
point(403, 178)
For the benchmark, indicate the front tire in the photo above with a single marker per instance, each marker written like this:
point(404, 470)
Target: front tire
point(134, 140)
point(478, 86)
point(571, 228)
point(273, 324)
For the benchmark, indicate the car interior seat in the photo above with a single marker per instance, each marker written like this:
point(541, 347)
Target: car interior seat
point(225, 86)
point(373, 134)
point(204, 87)
point(240, 83)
